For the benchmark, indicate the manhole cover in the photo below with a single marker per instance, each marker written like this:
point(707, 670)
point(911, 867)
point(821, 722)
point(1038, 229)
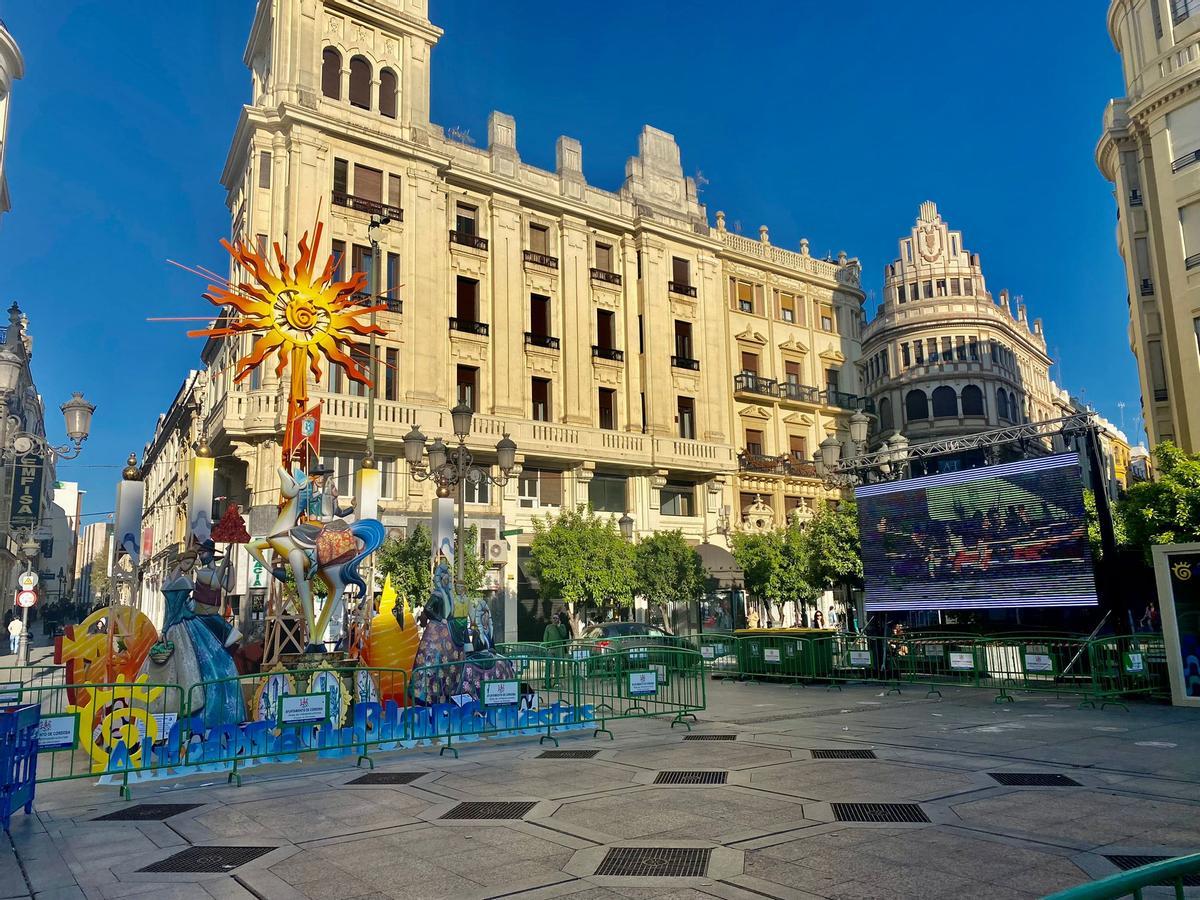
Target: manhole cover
point(1034, 779)
point(1125, 863)
point(488, 809)
point(207, 859)
point(842, 754)
point(878, 812)
point(655, 862)
point(147, 812)
point(710, 737)
point(567, 754)
point(387, 778)
point(691, 778)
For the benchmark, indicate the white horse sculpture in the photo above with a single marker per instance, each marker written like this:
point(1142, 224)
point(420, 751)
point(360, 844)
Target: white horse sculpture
point(317, 551)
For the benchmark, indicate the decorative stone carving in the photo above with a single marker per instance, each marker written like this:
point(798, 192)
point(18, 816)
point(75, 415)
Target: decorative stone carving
point(362, 34)
point(758, 518)
point(333, 25)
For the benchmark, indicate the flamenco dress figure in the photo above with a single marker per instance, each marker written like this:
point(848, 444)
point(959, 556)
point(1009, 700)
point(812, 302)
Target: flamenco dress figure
point(189, 654)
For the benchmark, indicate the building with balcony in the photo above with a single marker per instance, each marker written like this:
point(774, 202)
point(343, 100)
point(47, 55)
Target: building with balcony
point(1150, 151)
point(610, 333)
point(941, 357)
point(12, 67)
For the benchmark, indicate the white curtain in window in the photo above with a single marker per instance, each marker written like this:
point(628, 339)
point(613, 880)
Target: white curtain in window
point(1183, 126)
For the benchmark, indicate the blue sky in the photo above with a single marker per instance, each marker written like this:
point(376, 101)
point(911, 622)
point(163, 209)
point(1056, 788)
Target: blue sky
point(820, 120)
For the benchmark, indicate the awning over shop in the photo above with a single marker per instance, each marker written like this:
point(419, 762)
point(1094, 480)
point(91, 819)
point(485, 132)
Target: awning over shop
point(723, 571)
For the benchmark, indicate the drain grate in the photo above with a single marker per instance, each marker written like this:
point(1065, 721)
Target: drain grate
point(710, 737)
point(878, 812)
point(490, 809)
point(680, 777)
point(1034, 779)
point(567, 754)
point(207, 859)
point(388, 778)
point(147, 812)
point(1127, 862)
point(655, 862)
point(843, 754)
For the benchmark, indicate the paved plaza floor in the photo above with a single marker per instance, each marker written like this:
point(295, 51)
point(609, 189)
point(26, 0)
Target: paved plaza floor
point(771, 830)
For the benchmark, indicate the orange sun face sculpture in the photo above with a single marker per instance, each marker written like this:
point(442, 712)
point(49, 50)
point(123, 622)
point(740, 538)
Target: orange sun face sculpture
point(298, 315)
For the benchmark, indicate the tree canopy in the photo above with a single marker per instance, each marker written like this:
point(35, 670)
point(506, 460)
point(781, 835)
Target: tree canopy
point(409, 563)
point(580, 557)
point(1166, 510)
point(668, 570)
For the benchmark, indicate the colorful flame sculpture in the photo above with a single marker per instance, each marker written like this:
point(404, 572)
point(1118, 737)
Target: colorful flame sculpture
point(392, 644)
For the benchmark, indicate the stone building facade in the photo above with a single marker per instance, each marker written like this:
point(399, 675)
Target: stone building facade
point(941, 357)
point(1150, 151)
point(12, 67)
point(643, 360)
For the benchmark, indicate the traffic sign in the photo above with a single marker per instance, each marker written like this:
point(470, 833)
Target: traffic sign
point(27, 580)
point(26, 599)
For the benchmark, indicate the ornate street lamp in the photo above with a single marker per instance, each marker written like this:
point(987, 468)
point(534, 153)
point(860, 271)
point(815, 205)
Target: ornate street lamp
point(625, 523)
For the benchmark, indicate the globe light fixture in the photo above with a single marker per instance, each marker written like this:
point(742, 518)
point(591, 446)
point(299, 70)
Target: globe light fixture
point(625, 523)
point(77, 413)
point(461, 415)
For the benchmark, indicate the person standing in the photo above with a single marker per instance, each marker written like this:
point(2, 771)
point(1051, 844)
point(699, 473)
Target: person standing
point(14, 634)
point(557, 631)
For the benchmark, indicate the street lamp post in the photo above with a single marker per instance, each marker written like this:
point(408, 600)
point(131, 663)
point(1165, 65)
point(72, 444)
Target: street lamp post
point(837, 471)
point(452, 467)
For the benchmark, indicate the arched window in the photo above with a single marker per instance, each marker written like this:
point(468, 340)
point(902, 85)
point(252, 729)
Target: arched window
point(945, 403)
point(331, 74)
point(916, 406)
point(972, 401)
point(1002, 405)
point(885, 415)
point(387, 93)
point(1014, 407)
point(360, 82)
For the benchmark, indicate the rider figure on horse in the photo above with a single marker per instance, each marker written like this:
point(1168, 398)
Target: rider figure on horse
point(318, 508)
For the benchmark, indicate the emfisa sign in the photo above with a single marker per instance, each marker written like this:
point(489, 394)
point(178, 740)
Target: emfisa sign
point(26, 505)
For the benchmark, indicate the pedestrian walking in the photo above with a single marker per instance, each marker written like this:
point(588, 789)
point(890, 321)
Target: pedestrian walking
point(14, 635)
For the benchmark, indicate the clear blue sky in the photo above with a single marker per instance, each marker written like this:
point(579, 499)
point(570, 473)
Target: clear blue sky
point(826, 120)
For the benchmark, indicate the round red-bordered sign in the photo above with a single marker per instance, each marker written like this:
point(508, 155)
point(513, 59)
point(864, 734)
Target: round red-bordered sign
point(26, 598)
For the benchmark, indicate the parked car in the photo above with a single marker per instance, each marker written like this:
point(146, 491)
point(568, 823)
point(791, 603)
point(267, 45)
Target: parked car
point(646, 645)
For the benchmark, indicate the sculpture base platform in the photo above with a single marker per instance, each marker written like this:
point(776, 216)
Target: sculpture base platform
point(334, 659)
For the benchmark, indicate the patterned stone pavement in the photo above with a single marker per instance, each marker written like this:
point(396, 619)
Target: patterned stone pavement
point(769, 831)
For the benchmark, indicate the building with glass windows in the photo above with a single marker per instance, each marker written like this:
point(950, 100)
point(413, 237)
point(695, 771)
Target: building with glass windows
point(942, 357)
point(1150, 151)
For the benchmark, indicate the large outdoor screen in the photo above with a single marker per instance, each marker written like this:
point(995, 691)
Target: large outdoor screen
point(1003, 536)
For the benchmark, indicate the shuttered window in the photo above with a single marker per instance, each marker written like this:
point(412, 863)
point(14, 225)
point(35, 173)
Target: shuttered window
point(368, 183)
point(1189, 224)
point(1183, 126)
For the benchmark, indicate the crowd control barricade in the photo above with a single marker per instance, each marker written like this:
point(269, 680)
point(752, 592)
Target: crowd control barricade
point(18, 759)
point(670, 682)
point(1127, 665)
point(793, 655)
point(718, 653)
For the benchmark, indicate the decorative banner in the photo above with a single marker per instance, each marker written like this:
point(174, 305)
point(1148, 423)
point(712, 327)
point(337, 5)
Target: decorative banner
point(26, 507)
point(200, 497)
point(304, 436)
point(147, 542)
point(128, 528)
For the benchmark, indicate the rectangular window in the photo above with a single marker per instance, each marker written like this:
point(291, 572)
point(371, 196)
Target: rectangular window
point(1158, 370)
point(392, 298)
point(467, 297)
point(608, 409)
point(947, 349)
point(360, 260)
point(791, 372)
point(537, 487)
point(826, 314)
point(357, 388)
point(477, 492)
point(905, 356)
point(831, 380)
point(341, 176)
point(466, 219)
point(539, 239)
point(754, 442)
point(683, 339)
point(677, 499)
point(749, 362)
point(467, 380)
point(941, 287)
point(393, 190)
point(681, 271)
point(994, 353)
point(743, 292)
point(604, 257)
point(641, 336)
point(900, 293)
point(968, 287)
point(787, 307)
point(264, 168)
point(368, 183)
point(1183, 126)
point(339, 255)
point(260, 242)
point(686, 413)
point(973, 349)
point(927, 289)
point(798, 447)
point(912, 292)
point(387, 479)
point(919, 351)
point(933, 350)
point(607, 493)
point(1189, 224)
point(606, 329)
point(539, 315)
point(391, 374)
point(883, 358)
point(955, 287)
point(540, 392)
point(960, 349)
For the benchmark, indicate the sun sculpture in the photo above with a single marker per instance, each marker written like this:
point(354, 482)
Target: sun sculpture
point(297, 313)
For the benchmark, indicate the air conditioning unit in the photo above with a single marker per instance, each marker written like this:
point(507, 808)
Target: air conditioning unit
point(496, 552)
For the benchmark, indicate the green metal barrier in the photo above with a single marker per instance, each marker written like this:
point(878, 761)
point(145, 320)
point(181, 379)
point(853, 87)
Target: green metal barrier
point(1169, 872)
point(671, 682)
point(718, 653)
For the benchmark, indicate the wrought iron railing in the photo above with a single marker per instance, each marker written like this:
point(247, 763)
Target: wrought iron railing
point(847, 401)
point(468, 240)
point(750, 383)
point(1147, 287)
point(468, 326)
point(602, 275)
point(608, 353)
point(1192, 261)
point(785, 464)
point(1135, 197)
point(373, 207)
point(541, 340)
point(800, 393)
point(685, 362)
point(686, 290)
point(541, 259)
point(1183, 162)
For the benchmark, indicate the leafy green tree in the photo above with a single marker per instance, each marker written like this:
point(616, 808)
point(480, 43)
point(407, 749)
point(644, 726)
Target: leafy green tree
point(1166, 510)
point(1092, 515)
point(580, 557)
point(832, 549)
point(409, 562)
point(100, 580)
point(668, 570)
point(760, 556)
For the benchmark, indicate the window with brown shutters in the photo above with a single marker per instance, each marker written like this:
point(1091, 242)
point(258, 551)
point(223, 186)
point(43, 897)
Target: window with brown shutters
point(749, 362)
point(798, 447)
point(360, 82)
point(681, 271)
point(608, 408)
point(387, 93)
point(754, 442)
point(368, 183)
point(331, 74)
point(393, 190)
point(539, 239)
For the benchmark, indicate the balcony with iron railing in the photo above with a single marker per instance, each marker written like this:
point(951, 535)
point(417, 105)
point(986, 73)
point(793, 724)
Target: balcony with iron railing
point(685, 290)
point(1192, 261)
point(541, 340)
point(685, 362)
point(466, 239)
point(1147, 288)
point(1181, 163)
point(752, 383)
point(468, 326)
point(610, 353)
point(847, 401)
point(795, 392)
point(785, 464)
point(372, 207)
point(1135, 197)
point(540, 259)
point(609, 277)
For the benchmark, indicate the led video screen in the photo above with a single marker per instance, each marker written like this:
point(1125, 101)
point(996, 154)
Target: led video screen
point(1002, 536)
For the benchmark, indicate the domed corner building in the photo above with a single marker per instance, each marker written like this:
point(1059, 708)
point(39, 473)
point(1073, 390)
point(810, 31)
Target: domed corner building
point(941, 358)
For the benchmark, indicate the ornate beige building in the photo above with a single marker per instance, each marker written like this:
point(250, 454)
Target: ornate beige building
point(643, 360)
point(12, 67)
point(1150, 151)
point(942, 357)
